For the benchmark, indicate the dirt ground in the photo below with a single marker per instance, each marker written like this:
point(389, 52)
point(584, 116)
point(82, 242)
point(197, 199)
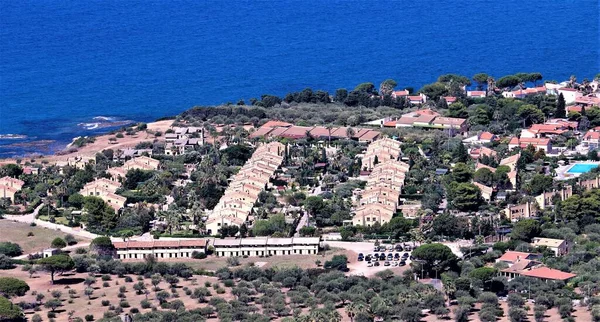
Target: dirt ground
point(213, 263)
point(16, 232)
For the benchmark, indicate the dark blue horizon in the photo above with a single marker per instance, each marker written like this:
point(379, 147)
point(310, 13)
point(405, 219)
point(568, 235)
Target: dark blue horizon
point(64, 62)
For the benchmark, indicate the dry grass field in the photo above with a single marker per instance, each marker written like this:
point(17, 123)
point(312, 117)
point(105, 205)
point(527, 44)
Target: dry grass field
point(16, 232)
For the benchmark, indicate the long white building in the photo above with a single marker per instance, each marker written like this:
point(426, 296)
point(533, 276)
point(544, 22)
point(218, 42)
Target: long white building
point(159, 248)
point(266, 246)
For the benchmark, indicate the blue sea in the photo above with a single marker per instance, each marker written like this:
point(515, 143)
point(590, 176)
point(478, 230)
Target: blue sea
point(64, 63)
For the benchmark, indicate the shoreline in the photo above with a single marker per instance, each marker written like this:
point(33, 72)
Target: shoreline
point(101, 143)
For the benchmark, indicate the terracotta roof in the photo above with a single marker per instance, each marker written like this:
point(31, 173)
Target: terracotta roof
point(295, 132)
point(262, 131)
point(425, 118)
point(524, 142)
point(450, 99)
point(548, 273)
point(512, 256)
point(370, 135)
point(273, 123)
point(489, 152)
point(486, 136)
point(321, 131)
point(449, 121)
point(510, 159)
point(400, 93)
point(426, 111)
point(475, 93)
point(415, 98)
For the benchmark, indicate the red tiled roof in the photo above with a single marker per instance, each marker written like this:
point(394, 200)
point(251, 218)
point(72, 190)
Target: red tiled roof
point(276, 124)
point(486, 136)
point(261, 132)
point(390, 124)
point(295, 132)
point(547, 273)
point(370, 135)
point(415, 98)
point(450, 99)
point(400, 93)
point(475, 93)
point(426, 111)
point(425, 118)
point(512, 256)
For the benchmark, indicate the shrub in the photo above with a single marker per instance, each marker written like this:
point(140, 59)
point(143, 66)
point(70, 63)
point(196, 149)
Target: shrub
point(229, 283)
point(109, 315)
point(10, 286)
point(70, 239)
point(89, 317)
point(121, 295)
point(58, 243)
point(106, 277)
point(36, 318)
point(30, 234)
point(51, 315)
point(105, 284)
point(233, 261)
point(128, 279)
point(220, 291)
point(124, 304)
point(134, 310)
point(105, 302)
point(145, 304)
point(207, 284)
point(10, 249)
point(198, 255)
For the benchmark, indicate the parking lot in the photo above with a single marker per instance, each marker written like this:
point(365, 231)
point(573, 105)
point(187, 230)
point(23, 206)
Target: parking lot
point(375, 259)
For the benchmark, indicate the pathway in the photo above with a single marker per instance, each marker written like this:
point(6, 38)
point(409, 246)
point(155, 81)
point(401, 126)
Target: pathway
point(301, 224)
point(29, 218)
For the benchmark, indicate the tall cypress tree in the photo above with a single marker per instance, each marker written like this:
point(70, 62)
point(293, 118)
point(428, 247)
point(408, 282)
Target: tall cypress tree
point(560, 106)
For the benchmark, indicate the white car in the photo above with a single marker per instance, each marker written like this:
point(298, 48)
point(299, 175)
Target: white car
point(394, 264)
point(369, 264)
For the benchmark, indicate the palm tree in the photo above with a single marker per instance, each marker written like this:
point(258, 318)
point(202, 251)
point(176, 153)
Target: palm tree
point(172, 218)
point(353, 308)
point(350, 132)
point(329, 127)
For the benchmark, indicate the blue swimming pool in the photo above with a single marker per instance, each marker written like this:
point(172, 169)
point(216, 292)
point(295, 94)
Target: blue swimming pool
point(582, 167)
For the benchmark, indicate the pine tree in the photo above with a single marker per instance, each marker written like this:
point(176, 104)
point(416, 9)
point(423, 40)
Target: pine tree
point(560, 106)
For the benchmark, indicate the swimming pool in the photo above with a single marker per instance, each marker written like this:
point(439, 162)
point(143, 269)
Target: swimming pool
point(582, 167)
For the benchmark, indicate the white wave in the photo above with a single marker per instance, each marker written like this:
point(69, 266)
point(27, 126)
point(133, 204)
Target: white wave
point(104, 118)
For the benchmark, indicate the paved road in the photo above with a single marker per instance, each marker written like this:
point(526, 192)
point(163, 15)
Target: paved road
point(301, 224)
point(29, 218)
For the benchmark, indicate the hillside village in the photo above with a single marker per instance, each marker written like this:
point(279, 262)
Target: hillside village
point(488, 189)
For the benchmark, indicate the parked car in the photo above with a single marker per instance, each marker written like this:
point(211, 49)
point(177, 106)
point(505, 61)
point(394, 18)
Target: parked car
point(394, 264)
point(398, 248)
point(386, 263)
point(368, 258)
point(360, 259)
point(390, 248)
point(402, 263)
point(369, 264)
point(376, 264)
point(382, 257)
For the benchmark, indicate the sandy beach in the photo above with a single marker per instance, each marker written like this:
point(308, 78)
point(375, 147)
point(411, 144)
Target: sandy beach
point(102, 142)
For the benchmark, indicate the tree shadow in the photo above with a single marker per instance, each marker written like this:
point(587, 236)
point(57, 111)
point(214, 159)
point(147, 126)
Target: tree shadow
point(69, 281)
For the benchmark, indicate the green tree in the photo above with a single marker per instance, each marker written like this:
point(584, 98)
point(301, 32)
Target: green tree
point(10, 249)
point(10, 286)
point(56, 263)
point(530, 114)
point(340, 95)
point(338, 262)
point(98, 215)
point(538, 184)
point(365, 87)
point(102, 245)
point(525, 230)
point(58, 243)
point(9, 311)
point(457, 110)
point(461, 172)
point(454, 78)
point(561, 110)
point(433, 258)
point(76, 200)
point(509, 81)
point(465, 196)
point(11, 170)
point(434, 91)
point(480, 79)
point(484, 176)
